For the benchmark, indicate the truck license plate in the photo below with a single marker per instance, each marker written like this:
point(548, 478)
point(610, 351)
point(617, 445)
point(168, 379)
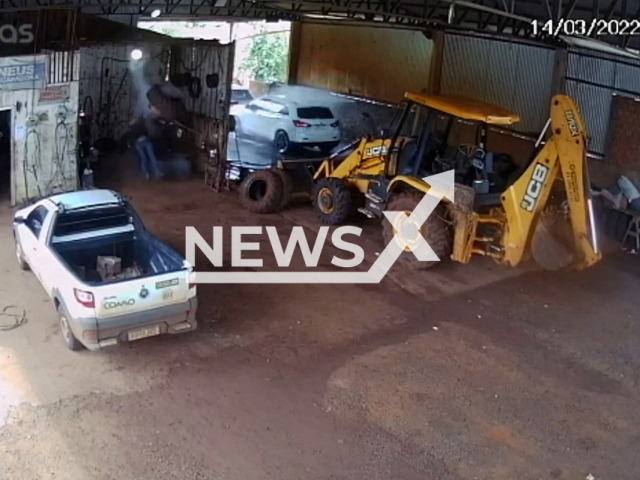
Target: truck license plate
point(144, 333)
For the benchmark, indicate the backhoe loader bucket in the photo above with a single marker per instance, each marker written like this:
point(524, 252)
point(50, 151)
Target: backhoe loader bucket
point(552, 244)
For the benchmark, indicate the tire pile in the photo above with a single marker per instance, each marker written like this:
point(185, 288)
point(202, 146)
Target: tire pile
point(266, 191)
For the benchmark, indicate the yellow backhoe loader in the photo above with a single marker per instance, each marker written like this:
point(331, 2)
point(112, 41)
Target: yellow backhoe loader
point(540, 206)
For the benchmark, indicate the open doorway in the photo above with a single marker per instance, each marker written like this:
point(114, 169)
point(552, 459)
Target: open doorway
point(5, 155)
point(262, 48)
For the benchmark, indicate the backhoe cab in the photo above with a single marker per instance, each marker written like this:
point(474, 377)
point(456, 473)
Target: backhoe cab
point(504, 209)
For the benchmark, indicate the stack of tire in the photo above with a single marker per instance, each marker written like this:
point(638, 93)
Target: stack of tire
point(266, 191)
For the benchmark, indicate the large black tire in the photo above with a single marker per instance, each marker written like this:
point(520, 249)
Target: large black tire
point(69, 338)
point(436, 231)
point(20, 256)
point(287, 188)
point(261, 191)
point(281, 142)
point(331, 200)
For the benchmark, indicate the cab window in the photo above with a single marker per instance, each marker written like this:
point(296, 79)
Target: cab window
point(36, 219)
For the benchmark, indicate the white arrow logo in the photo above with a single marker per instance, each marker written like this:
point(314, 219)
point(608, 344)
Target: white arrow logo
point(441, 185)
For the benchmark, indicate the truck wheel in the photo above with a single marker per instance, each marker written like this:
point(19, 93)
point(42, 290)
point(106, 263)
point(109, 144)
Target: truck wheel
point(20, 256)
point(261, 191)
point(331, 200)
point(67, 335)
point(435, 230)
point(287, 188)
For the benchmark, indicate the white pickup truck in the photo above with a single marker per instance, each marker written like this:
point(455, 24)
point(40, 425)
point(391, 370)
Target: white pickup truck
point(60, 239)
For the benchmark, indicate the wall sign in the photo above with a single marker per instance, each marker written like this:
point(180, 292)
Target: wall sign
point(54, 94)
point(21, 74)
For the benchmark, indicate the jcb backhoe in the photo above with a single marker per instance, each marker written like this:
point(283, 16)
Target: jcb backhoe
point(503, 209)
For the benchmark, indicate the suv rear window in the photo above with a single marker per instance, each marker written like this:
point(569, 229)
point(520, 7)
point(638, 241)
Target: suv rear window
point(315, 113)
point(71, 223)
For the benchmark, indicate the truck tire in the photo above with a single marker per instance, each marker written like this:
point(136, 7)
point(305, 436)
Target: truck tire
point(20, 256)
point(261, 191)
point(287, 188)
point(69, 338)
point(435, 230)
point(331, 200)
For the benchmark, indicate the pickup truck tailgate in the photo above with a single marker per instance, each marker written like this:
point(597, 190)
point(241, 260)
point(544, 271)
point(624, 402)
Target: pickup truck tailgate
point(139, 294)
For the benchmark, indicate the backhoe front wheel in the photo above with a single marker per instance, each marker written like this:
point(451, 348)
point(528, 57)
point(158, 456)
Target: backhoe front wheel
point(435, 230)
point(331, 200)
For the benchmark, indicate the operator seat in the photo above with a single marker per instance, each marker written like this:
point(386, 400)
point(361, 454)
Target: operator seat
point(408, 164)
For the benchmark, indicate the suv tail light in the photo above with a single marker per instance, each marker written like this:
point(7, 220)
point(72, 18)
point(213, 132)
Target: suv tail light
point(336, 124)
point(300, 123)
point(84, 298)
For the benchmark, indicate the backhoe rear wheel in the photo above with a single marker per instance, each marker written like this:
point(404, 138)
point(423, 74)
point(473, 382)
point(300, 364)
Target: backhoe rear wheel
point(435, 230)
point(331, 200)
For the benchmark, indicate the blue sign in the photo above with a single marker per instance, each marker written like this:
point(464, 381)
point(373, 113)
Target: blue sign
point(22, 75)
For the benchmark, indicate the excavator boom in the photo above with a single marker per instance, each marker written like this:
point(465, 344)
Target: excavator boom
point(556, 238)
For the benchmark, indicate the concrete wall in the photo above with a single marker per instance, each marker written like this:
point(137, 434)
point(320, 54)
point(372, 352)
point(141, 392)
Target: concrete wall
point(43, 155)
point(376, 63)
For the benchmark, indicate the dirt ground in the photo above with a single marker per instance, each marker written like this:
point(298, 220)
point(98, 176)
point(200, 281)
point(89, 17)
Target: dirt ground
point(463, 372)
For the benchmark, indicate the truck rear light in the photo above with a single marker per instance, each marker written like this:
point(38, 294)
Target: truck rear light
point(300, 123)
point(84, 298)
point(192, 285)
point(336, 124)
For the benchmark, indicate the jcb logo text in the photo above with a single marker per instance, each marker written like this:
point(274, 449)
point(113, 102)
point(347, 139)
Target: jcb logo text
point(376, 151)
point(534, 188)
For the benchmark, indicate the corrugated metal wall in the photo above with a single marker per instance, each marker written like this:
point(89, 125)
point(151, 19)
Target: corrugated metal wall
point(515, 76)
point(205, 59)
point(43, 154)
point(592, 79)
point(370, 62)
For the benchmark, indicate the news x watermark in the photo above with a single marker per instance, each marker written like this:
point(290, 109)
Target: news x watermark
point(442, 186)
point(16, 35)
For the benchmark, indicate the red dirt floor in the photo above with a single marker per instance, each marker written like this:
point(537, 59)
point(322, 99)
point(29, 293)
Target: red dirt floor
point(461, 372)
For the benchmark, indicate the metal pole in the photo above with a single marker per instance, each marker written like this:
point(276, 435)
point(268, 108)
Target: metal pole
point(544, 130)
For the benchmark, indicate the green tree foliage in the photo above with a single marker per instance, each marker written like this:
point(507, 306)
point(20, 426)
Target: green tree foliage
point(268, 57)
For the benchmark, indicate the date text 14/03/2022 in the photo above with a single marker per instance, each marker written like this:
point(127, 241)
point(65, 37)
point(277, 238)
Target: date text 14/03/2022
point(586, 28)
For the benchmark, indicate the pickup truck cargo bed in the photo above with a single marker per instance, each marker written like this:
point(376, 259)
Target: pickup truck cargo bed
point(134, 249)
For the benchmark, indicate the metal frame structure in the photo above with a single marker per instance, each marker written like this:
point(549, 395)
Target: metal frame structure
point(507, 17)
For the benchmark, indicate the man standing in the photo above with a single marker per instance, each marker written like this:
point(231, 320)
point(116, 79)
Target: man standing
point(141, 131)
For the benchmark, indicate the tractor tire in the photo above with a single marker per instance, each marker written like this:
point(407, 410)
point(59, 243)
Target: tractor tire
point(331, 200)
point(436, 231)
point(287, 188)
point(261, 192)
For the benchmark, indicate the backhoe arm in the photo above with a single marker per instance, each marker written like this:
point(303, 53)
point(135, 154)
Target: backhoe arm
point(564, 154)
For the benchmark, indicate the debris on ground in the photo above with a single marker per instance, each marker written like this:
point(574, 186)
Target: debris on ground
point(17, 317)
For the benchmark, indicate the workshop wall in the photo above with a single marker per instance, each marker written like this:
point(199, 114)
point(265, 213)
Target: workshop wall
point(43, 123)
point(112, 86)
point(376, 63)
